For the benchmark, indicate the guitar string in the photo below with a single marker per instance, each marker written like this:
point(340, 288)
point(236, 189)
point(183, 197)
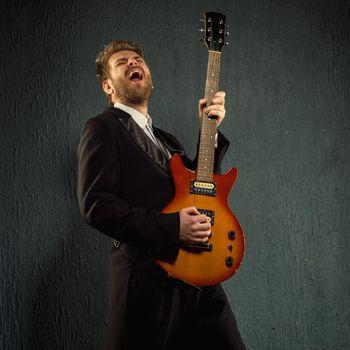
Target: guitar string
point(211, 89)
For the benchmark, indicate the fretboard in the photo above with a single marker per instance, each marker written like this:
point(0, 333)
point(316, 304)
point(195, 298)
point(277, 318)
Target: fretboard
point(205, 165)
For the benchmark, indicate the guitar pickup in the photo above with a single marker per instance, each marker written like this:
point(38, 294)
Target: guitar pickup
point(203, 188)
point(209, 213)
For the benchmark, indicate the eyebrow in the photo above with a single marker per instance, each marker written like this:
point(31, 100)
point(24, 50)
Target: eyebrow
point(124, 58)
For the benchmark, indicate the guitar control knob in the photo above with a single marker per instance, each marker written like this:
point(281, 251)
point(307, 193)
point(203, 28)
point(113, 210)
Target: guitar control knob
point(229, 261)
point(231, 235)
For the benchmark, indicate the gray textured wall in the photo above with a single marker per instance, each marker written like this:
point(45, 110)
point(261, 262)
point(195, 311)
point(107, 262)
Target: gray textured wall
point(286, 74)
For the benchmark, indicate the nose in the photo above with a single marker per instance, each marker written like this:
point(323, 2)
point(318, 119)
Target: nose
point(132, 62)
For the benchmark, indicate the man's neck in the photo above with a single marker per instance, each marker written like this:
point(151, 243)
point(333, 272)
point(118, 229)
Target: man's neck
point(142, 108)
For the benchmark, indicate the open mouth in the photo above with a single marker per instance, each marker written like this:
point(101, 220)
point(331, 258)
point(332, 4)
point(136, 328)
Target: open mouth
point(135, 75)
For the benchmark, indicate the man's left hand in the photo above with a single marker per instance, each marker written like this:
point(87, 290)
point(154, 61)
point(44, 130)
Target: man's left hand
point(216, 109)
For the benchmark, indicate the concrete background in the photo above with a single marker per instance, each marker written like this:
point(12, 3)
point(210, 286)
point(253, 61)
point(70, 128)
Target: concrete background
point(286, 74)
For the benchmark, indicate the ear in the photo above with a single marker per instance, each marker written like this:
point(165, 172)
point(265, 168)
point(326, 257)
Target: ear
point(107, 86)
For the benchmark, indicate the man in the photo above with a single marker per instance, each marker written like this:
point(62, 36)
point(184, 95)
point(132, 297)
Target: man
point(123, 184)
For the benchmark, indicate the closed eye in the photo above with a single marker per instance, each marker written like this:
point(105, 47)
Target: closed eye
point(121, 61)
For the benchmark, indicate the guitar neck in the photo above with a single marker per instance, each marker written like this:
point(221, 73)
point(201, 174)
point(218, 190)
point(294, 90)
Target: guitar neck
point(205, 167)
point(213, 74)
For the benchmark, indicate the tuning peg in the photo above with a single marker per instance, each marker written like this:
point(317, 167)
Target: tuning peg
point(227, 34)
point(226, 42)
point(201, 30)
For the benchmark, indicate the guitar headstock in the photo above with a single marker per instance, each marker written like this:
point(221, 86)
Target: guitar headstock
point(214, 31)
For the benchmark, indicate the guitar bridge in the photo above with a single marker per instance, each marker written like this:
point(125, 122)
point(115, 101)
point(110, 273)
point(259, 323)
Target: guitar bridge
point(203, 188)
point(199, 246)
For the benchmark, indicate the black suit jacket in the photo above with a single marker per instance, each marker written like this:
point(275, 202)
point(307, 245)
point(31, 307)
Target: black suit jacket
point(123, 184)
point(124, 180)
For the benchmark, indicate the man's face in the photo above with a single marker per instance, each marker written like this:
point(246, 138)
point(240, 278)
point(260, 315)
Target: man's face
point(130, 79)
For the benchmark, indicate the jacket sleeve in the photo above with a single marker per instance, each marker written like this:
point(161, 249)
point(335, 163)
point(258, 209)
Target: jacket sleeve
point(100, 202)
point(220, 150)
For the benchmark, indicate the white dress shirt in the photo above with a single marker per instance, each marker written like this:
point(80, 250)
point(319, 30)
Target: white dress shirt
point(145, 123)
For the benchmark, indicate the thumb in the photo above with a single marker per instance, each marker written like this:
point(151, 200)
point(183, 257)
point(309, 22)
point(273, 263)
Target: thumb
point(201, 104)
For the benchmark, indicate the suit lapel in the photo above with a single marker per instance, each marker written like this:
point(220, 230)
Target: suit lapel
point(141, 139)
point(169, 141)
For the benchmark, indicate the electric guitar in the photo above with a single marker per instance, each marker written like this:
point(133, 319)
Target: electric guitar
point(218, 259)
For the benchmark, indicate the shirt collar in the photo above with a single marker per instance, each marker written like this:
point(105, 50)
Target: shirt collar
point(138, 117)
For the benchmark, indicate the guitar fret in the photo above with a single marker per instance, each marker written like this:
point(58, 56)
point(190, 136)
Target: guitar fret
point(205, 165)
point(213, 72)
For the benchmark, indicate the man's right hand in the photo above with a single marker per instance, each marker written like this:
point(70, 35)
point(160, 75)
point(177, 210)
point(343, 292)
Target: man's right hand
point(194, 226)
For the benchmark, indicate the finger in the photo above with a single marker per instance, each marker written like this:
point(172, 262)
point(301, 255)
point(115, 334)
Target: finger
point(217, 116)
point(201, 233)
point(202, 227)
point(219, 97)
point(215, 107)
point(201, 104)
point(220, 93)
point(191, 211)
point(218, 100)
point(215, 112)
point(201, 223)
point(202, 218)
point(202, 230)
point(201, 237)
point(203, 101)
point(199, 240)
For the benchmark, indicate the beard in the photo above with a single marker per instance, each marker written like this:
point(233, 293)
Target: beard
point(134, 94)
